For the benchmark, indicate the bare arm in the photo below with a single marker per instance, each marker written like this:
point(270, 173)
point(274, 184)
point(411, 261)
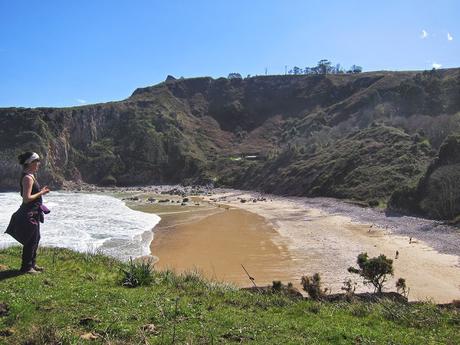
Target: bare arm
point(27, 183)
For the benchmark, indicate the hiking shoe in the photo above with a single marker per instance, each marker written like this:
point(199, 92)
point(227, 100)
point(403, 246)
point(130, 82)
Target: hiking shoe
point(39, 268)
point(30, 271)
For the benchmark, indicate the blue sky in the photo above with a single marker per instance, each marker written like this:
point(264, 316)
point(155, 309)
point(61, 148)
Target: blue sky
point(64, 53)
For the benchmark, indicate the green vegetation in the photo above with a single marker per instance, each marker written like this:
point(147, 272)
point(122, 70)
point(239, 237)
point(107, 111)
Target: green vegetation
point(312, 286)
point(437, 194)
point(374, 270)
point(367, 137)
point(324, 66)
point(367, 165)
point(401, 286)
point(80, 296)
point(137, 274)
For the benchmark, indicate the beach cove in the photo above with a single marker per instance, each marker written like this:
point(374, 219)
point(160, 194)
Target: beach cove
point(229, 236)
point(285, 238)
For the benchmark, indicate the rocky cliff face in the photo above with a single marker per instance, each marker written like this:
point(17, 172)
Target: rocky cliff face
point(352, 136)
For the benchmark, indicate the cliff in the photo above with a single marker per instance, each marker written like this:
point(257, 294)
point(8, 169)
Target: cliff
point(360, 136)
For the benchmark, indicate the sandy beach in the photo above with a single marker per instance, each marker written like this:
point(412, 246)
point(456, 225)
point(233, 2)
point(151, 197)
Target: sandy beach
point(216, 241)
point(329, 244)
point(284, 238)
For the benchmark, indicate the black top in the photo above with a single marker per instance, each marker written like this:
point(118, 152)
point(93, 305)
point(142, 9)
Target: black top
point(25, 221)
point(35, 189)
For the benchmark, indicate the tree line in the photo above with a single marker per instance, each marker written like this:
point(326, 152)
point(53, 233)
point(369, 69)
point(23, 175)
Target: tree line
point(323, 67)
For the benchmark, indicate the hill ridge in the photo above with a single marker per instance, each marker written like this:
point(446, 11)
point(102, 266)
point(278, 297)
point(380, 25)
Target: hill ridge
point(190, 130)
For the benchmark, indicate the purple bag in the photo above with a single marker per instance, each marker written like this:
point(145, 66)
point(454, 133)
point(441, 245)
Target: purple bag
point(44, 209)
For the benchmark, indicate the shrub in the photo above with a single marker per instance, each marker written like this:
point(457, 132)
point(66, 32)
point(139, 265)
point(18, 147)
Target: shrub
point(312, 285)
point(349, 287)
point(401, 286)
point(374, 270)
point(277, 285)
point(138, 274)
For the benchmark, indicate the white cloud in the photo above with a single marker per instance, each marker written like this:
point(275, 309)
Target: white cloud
point(424, 34)
point(81, 101)
point(449, 37)
point(436, 65)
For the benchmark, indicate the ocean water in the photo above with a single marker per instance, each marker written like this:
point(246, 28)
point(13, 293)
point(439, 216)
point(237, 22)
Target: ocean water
point(87, 223)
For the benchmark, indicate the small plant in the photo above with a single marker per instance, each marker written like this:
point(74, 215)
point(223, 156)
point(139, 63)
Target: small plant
point(138, 274)
point(373, 270)
point(349, 286)
point(312, 285)
point(277, 286)
point(401, 286)
point(92, 254)
point(193, 276)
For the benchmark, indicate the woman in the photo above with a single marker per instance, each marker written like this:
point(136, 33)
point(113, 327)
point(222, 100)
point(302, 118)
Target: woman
point(25, 223)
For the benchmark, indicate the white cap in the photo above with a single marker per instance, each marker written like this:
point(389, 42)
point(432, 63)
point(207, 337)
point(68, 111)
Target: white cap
point(32, 158)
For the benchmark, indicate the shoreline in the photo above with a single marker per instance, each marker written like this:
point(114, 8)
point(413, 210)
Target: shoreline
point(319, 241)
point(338, 239)
point(201, 235)
point(218, 251)
point(362, 214)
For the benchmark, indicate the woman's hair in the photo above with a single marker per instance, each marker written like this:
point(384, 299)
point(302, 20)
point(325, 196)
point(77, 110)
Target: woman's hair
point(24, 156)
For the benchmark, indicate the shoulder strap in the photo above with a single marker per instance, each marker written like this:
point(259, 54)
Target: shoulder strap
point(31, 175)
point(22, 177)
point(35, 184)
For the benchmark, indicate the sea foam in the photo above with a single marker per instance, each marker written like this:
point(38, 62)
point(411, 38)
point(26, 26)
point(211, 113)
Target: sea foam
point(87, 223)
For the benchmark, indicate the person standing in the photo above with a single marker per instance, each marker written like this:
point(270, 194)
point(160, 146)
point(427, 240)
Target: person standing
point(24, 225)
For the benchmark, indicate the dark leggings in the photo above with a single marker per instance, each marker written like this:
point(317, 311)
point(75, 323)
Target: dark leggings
point(29, 251)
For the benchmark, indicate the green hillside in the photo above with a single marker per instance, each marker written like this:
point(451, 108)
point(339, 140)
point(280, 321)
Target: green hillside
point(80, 297)
point(356, 136)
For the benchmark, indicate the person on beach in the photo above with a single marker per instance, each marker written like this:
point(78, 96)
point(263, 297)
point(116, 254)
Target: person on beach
point(24, 225)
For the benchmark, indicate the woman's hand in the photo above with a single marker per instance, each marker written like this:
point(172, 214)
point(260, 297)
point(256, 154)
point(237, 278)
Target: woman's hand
point(44, 190)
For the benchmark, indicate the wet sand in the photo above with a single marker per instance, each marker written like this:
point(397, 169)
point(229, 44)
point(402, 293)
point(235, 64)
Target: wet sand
point(283, 239)
point(219, 244)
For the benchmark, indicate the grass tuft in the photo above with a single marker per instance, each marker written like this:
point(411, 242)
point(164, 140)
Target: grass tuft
point(138, 273)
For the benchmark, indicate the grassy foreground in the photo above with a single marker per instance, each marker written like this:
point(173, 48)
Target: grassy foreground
point(79, 300)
